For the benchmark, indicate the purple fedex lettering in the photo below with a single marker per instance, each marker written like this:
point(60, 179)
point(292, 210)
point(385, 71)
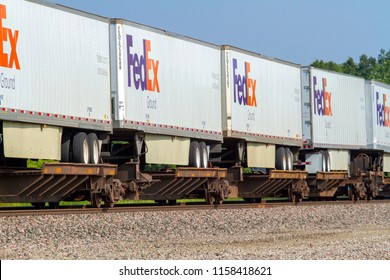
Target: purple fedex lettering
point(244, 86)
point(322, 99)
point(380, 120)
point(318, 98)
point(141, 66)
point(239, 85)
point(382, 111)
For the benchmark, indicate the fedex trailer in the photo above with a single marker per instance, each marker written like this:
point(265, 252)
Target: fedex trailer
point(335, 150)
point(166, 95)
point(261, 112)
point(55, 77)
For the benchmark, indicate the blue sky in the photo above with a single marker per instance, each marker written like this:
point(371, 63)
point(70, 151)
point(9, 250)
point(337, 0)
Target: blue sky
point(299, 31)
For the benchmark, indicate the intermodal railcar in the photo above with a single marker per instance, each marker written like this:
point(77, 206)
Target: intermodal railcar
point(127, 111)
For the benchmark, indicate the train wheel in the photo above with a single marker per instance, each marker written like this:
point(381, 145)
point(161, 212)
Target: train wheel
point(80, 148)
point(209, 198)
point(204, 159)
point(108, 202)
point(96, 200)
point(194, 159)
point(93, 147)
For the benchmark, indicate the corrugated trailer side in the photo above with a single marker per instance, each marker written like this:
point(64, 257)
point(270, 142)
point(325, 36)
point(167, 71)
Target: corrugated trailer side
point(262, 98)
point(333, 118)
point(58, 66)
point(261, 104)
point(335, 115)
point(378, 119)
point(165, 85)
point(55, 74)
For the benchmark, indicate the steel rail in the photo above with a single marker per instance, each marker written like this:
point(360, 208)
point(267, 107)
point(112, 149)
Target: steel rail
point(182, 207)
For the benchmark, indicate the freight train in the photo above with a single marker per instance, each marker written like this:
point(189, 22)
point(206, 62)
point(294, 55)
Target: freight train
point(127, 111)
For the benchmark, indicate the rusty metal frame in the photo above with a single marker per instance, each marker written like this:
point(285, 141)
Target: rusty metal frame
point(52, 183)
point(183, 182)
point(257, 185)
point(326, 184)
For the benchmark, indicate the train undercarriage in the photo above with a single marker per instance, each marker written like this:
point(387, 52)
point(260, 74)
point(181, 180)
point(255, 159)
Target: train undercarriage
point(109, 183)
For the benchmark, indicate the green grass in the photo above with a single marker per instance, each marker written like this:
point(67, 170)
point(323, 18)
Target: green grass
point(9, 204)
point(38, 163)
point(122, 202)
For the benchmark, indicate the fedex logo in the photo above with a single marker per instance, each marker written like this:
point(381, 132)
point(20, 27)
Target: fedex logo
point(322, 99)
point(244, 86)
point(11, 36)
point(142, 70)
point(382, 111)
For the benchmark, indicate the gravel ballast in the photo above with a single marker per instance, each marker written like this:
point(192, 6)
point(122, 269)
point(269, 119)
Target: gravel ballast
point(360, 231)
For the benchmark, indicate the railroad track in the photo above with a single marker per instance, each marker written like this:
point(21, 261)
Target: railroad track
point(181, 207)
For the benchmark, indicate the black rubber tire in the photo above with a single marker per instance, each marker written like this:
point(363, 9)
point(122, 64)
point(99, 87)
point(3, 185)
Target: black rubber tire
point(94, 155)
point(65, 147)
point(194, 160)
point(204, 159)
point(80, 155)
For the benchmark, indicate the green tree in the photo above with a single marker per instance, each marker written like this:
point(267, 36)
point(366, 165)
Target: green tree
point(368, 67)
point(349, 67)
point(332, 66)
point(383, 67)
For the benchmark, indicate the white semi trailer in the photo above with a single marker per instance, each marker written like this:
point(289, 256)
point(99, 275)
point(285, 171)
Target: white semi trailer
point(55, 75)
point(335, 111)
point(166, 95)
point(261, 121)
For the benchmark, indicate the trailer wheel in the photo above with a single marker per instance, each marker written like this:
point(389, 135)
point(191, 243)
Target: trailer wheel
point(80, 148)
point(65, 147)
point(326, 166)
point(280, 159)
point(93, 147)
point(289, 159)
point(204, 159)
point(194, 154)
point(328, 163)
